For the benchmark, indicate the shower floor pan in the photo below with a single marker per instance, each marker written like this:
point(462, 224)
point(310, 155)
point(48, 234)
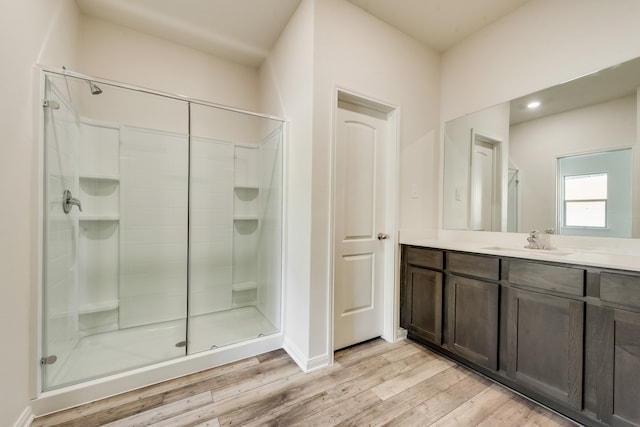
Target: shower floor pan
point(209, 331)
point(111, 352)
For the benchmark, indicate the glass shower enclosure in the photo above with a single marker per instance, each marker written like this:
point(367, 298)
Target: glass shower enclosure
point(162, 228)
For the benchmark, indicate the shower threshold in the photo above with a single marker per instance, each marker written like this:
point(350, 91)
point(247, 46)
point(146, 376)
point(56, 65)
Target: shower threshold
point(213, 330)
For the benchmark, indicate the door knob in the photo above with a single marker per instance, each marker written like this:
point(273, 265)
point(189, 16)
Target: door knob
point(382, 236)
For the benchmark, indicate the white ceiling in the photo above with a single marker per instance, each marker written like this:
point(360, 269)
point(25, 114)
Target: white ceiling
point(244, 31)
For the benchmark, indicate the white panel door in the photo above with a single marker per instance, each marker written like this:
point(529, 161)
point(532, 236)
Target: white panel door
point(482, 187)
point(359, 218)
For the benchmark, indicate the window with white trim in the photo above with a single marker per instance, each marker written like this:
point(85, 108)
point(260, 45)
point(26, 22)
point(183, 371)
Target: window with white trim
point(585, 200)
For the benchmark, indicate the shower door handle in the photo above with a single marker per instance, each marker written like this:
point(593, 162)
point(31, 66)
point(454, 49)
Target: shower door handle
point(68, 201)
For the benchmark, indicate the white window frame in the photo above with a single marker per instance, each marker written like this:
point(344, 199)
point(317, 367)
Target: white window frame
point(565, 201)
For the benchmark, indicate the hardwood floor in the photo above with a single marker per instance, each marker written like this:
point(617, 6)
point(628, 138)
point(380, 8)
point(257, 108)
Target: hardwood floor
point(374, 383)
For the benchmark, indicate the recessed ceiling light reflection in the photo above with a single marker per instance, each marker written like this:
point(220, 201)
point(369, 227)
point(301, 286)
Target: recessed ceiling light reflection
point(533, 104)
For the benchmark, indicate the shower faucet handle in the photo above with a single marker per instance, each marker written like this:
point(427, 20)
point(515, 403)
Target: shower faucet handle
point(68, 201)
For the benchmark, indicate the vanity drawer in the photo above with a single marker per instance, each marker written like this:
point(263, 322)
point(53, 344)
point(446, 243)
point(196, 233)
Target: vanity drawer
point(620, 289)
point(422, 257)
point(485, 267)
point(556, 278)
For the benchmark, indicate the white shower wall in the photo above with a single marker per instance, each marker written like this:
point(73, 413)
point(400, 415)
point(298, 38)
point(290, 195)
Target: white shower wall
point(269, 262)
point(133, 252)
point(211, 222)
point(99, 170)
point(246, 224)
point(154, 226)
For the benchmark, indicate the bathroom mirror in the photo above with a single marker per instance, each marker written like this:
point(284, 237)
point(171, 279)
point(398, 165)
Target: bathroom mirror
point(536, 162)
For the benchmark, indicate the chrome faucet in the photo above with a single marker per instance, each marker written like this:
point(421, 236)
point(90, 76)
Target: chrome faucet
point(534, 240)
point(540, 241)
point(68, 201)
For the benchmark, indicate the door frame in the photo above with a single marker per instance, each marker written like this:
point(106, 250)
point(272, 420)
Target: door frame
point(391, 292)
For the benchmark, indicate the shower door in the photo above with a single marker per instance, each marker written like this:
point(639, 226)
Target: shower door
point(115, 230)
point(235, 227)
point(60, 303)
point(162, 228)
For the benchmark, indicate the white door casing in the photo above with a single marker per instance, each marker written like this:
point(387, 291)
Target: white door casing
point(482, 187)
point(486, 190)
point(359, 217)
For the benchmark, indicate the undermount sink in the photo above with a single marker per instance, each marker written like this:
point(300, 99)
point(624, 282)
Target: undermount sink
point(527, 250)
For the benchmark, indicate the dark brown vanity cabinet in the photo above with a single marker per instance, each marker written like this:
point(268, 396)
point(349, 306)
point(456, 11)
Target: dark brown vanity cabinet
point(472, 308)
point(545, 344)
point(565, 335)
point(618, 380)
point(545, 329)
point(421, 293)
point(617, 350)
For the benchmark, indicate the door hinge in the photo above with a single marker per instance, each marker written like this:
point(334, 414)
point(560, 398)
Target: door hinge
point(49, 360)
point(50, 104)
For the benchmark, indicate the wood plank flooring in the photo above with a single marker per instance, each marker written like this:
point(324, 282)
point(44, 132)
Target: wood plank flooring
point(371, 384)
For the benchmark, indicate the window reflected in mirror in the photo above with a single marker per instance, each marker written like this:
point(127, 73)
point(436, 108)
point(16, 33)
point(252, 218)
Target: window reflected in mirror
point(594, 194)
point(585, 200)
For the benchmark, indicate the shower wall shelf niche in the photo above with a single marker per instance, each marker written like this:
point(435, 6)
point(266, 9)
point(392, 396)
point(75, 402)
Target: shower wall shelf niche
point(114, 178)
point(99, 218)
point(246, 211)
point(98, 307)
point(99, 183)
point(246, 286)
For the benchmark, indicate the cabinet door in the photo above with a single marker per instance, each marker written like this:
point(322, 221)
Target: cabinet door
point(421, 309)
point(545, 344)
point(472, 319)
point(618, 382)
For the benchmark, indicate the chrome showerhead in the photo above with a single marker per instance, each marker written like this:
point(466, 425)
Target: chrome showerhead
point(95, 89)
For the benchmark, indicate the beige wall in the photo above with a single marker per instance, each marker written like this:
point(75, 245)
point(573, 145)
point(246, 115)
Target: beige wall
point(362, 54)
point(354, 51)
point(329, 44)
point(287, 91)
point(118, 53)
point(541, 44)
point(44, 31)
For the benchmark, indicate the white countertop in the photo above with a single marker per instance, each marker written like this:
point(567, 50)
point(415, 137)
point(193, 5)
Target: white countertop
point(623, 256)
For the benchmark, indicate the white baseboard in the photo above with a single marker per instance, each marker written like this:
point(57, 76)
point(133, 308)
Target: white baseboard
point(401, 334)
point(25, 419)
point(317, 362)
point(305, 363)
point(295, 353)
